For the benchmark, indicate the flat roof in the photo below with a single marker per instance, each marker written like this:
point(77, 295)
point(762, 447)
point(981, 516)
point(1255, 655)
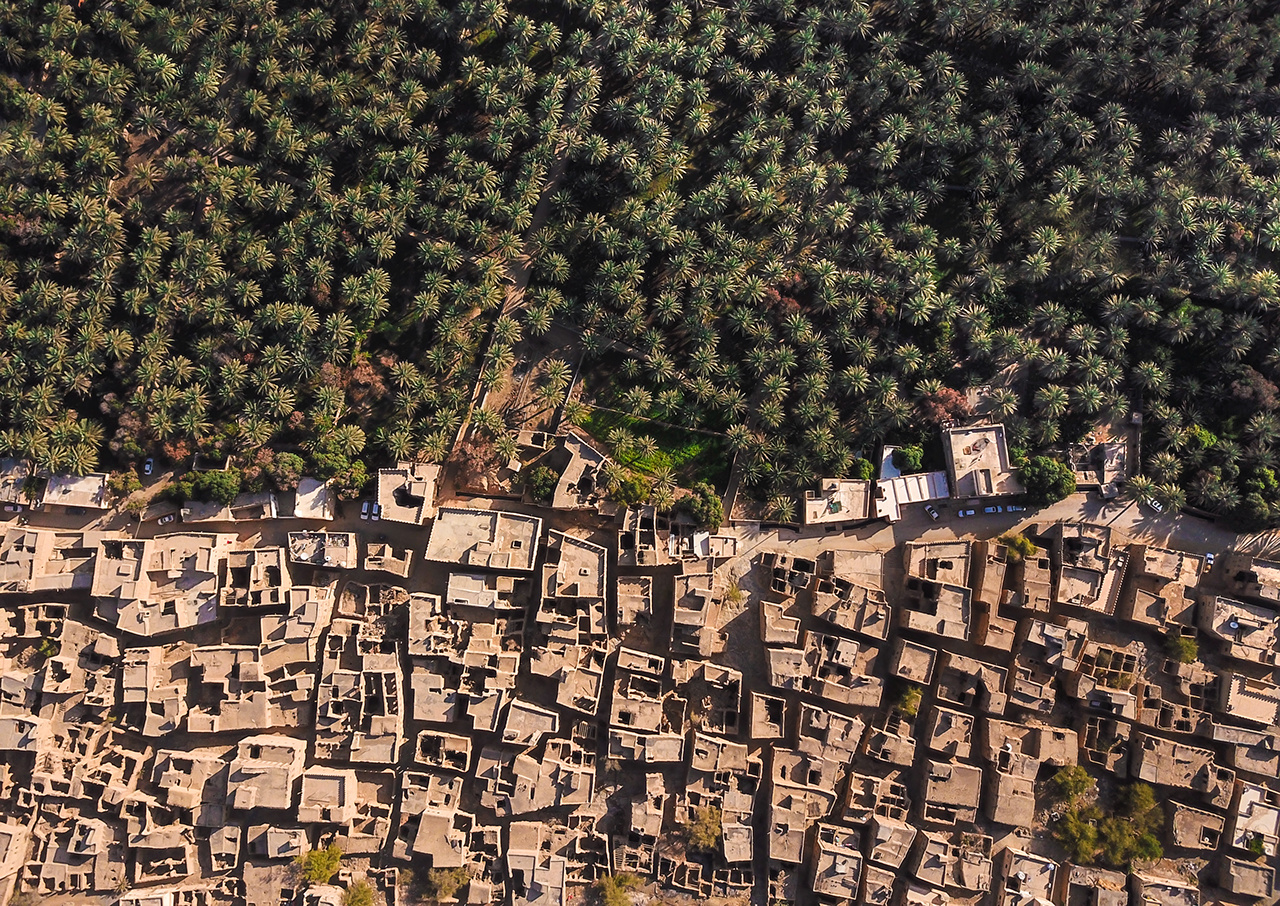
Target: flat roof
point(978, 460)
point(921, 487)
point(838, 500)
point(494, 539)
point(89, 491)
point(407, 493)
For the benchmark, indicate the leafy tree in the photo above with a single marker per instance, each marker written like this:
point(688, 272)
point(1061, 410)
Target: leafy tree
point(444, 883)
point(1070, 783)
point(219, 486)
point(1131, 832)
point(1077, 831)
point(612, 889)
point(541, 482)
point(909, 701)
point(1047, 480)
point(1019, 545)
point(122, 484)
point(358, 894)
point(287, 471)
point(703, 506)
point(909, 459)
point(703, 829)
point(629, 490)
point(317, 866)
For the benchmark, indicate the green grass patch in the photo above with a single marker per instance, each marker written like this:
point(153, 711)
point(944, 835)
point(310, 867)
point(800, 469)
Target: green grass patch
point(659, 185)
point(692, 456)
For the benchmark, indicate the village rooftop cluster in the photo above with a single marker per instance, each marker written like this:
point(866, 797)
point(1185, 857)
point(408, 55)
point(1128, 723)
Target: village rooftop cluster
point(538, 700)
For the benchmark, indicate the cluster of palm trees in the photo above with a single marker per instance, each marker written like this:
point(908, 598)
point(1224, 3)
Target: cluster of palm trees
point(292, 224)
point(842, 213)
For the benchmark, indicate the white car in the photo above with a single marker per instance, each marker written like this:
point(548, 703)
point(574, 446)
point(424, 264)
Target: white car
point(964, 513)
point(13, 508)
point(165, 520)
point(1015, 509)
point(364, 510)
point(149, 466)
point(377, 512)
point(1156, 505)
point(933, 514)
point(993, 509)
point(1208, 560)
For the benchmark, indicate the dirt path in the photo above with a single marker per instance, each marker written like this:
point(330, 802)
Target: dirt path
point(519, 273)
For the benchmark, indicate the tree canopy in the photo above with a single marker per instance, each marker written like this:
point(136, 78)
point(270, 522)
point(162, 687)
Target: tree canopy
point(317, 866)
point(812, 228)
point(1047, 480)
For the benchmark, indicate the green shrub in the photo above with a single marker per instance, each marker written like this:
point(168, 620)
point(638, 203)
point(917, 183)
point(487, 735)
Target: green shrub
point(703, 831)
point(319, 865)
point(222, 486)
point(703, 506)
point(122, 484)
point(1257, 845)
point(541, 482)
point(1182, 650)
point(1019, 545)
point(613, 889)
point(358, 894)
point(631, 490)
point(864, 469)
point(909, 700)
point(443, 883)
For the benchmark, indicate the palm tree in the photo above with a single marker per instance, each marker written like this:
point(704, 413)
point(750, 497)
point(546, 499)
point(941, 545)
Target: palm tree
point(781, 508)
point(506, 446)
point(1139, 489)
point(1151, 378)
point(575, 412)
point(1172, 496)
point(1052, 401)
point(1165, 467)
point(556, 373)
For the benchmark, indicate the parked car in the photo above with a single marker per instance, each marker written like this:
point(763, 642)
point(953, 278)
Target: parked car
point(149, 466)
point(1208, 560)
point(933, 514)
point(1156, 505)
point(364, 510)
point(76, 511)
point(1015, 509)
point(993, 509)
point(964, 513)
point(165, 520)
point(377, 512)
point(13, 508)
